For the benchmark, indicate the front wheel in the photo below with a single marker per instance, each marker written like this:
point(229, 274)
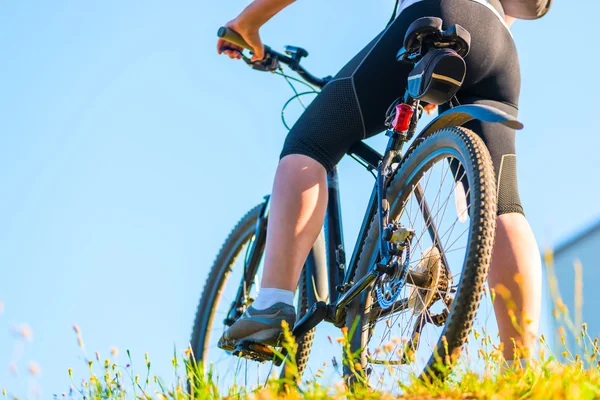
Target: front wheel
point(444, 191)
point(234, 279)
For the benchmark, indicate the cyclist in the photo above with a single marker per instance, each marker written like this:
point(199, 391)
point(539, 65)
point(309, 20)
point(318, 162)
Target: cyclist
point(351, 108)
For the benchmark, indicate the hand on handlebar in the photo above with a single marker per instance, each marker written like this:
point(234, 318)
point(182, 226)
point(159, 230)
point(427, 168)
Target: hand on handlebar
point(232, 43)
point(249, 34)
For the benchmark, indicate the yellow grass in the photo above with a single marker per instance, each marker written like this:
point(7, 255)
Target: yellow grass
point(577, 376)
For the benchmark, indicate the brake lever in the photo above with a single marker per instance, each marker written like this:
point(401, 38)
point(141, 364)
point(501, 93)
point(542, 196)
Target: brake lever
point(268, 63)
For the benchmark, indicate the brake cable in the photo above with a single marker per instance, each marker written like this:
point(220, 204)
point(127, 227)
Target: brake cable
point(296, 94)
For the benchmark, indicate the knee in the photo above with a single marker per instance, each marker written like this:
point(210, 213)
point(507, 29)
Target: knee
point(295, 150)
point(510, 221)
point(300, 161)
point(300, 166)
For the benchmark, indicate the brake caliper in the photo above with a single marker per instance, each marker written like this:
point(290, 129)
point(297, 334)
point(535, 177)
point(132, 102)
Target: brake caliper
point(398, 235)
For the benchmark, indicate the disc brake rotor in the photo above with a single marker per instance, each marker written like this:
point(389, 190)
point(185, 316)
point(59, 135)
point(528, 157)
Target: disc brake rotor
point(389, 286)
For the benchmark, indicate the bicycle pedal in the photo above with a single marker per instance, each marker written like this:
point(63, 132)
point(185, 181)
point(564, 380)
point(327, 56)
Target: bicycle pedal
point(254, 351)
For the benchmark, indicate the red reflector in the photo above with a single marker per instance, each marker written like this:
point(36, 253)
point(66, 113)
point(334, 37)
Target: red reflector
point(404, 113)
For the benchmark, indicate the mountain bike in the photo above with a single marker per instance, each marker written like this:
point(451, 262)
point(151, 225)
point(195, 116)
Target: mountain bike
point(411, 288)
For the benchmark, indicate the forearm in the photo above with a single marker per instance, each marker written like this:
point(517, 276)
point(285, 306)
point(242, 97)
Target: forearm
point(260, 11)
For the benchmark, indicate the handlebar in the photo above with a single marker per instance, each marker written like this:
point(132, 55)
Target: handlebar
point(232, 36)
point(270, 55)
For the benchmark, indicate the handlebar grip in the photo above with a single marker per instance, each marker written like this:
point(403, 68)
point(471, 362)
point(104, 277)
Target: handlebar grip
point(233, 37)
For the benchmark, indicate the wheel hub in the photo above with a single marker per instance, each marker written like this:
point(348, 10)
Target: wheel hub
point(421, 298)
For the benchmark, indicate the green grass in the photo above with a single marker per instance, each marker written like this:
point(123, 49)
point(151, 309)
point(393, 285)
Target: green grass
point(577, 376)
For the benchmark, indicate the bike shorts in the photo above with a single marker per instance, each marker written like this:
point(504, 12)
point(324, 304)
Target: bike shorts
point(352, 106)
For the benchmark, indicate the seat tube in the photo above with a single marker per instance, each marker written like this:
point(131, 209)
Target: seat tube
point(336, 257)
point(325, 264)
point(316, 270)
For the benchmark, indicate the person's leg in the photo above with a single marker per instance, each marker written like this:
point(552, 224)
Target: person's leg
point(516, 254)
point(515, 270)
point(298, 205)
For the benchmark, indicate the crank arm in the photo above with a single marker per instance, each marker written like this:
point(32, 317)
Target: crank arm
point(351, 293)
point(316, 314)
point(312, 318)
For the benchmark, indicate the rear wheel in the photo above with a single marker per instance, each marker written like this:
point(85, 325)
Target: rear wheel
point(224, 283)
point(444, 190)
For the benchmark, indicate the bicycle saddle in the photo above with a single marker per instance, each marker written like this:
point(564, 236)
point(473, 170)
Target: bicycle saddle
point(427, 32)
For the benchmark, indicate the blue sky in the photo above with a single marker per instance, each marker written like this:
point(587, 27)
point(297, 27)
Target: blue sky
point(128, 149)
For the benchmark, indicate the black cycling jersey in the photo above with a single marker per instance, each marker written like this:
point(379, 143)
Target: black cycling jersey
point(352, 107)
